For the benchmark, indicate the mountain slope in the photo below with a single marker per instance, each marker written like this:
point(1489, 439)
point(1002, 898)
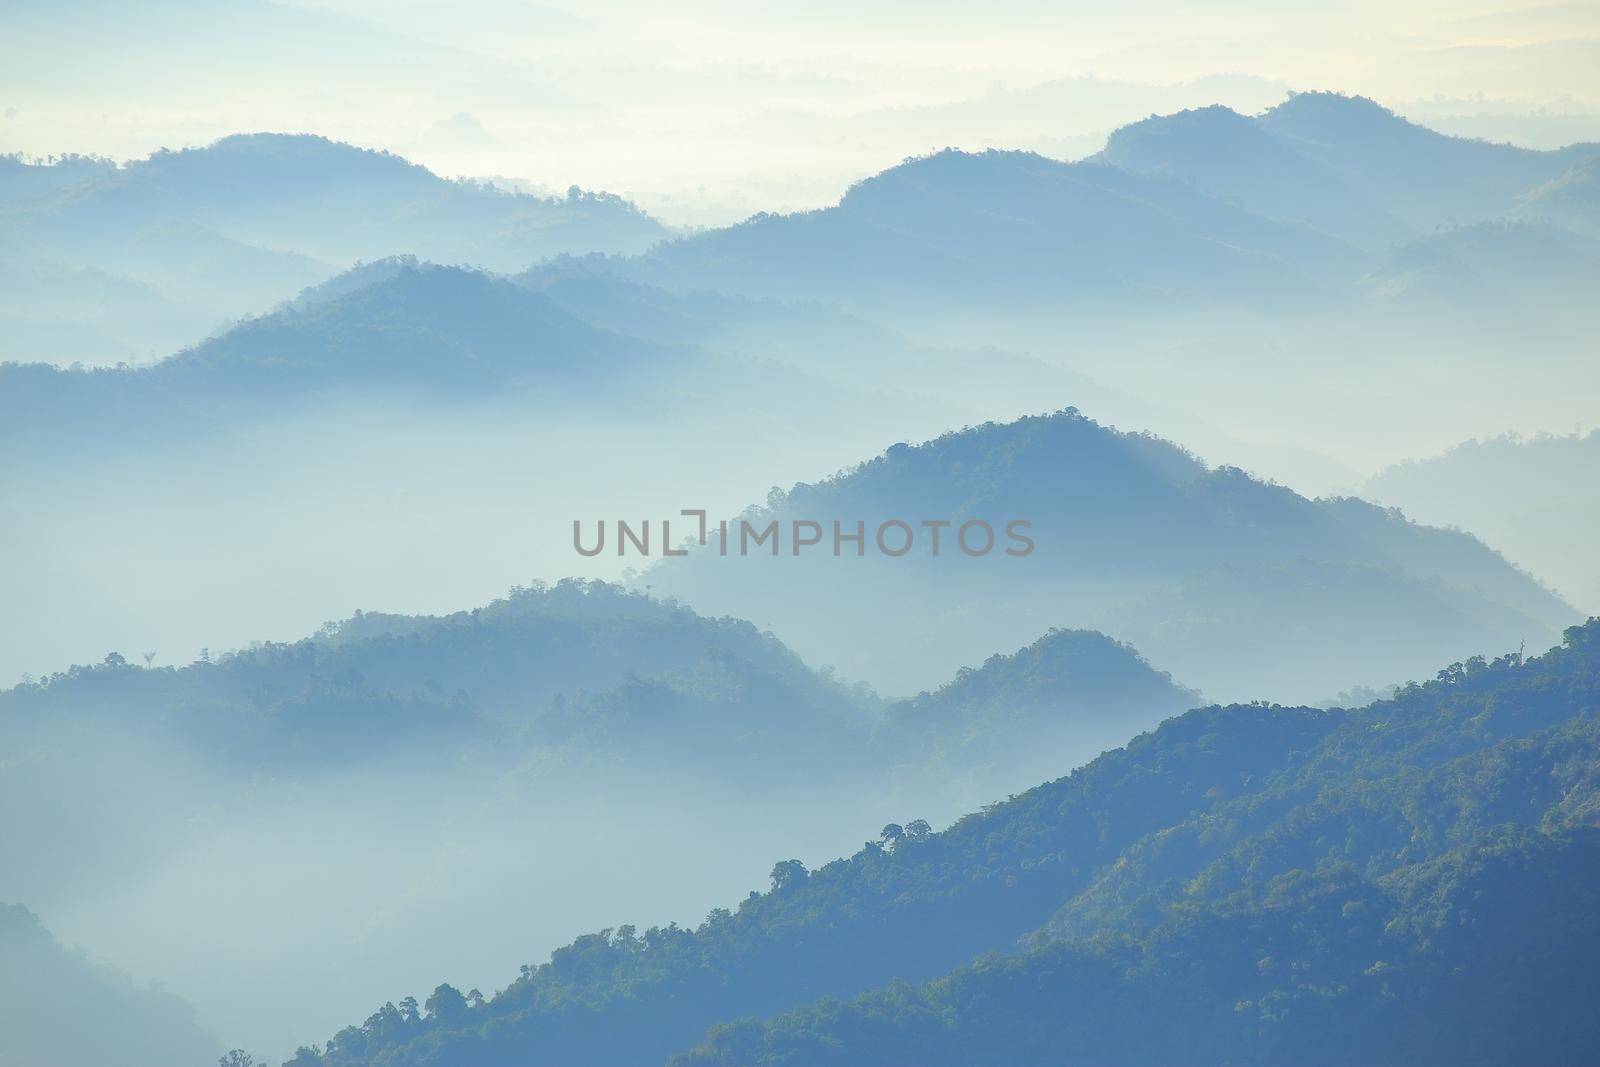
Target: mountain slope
point(420, 332)
point(375, 682)
point(1344, 165)
point(239, 225)
point(565, 754)
point(1514, 741)
point(1423, 176)
point(1571, 199)
point(339, 203)
point(1338, 592)
point(59, 1008)
point(586, 675)
point(1429, 966)
point(1239, 160)
point(1522, 268)
point(1004, 228)
point(1019, 718)
point(1519, 494)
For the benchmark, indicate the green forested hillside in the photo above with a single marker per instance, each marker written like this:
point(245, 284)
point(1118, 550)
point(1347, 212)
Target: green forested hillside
point(1278, 873)
point(1480, 956)
point(376, 682)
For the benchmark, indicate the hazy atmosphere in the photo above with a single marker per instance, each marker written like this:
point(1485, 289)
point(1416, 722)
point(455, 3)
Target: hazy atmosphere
point(704, 113)
point(832, 535)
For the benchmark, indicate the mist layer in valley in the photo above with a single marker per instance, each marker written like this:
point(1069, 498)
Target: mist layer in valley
point(384, 398)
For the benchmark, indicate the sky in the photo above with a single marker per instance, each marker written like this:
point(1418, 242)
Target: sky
point(707, 110)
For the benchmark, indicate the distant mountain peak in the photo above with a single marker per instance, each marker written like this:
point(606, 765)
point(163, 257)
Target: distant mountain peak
point(1325, 106)
point(295, 158)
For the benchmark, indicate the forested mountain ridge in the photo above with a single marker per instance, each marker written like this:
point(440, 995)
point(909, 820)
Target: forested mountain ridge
point(46, 990)
point(912, 910)
point(585, 673)
point(1324, 584)
point(375, 681)
point(904, 907)
point(1310, 968)
point(1017, 719)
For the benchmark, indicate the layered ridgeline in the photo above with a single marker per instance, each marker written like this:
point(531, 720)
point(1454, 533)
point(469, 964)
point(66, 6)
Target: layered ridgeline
point(1348, 166)
point(1254, 273)
point(1009, 229)
point(417, 406)
point(542, 751)
point(1130, 535)
point(418, 332)
point(1271, 885)
point(583, 675)
point(1531, 497)
point(572, 338)
point(822, 339)
point(60, 1008)
point(1297, 202)
point(1450, 222)
point(525, 670)
point(150, 255)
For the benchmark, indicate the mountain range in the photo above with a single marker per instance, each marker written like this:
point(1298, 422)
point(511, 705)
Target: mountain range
point(161, 251)
point(1293, 205)
point(325, 376)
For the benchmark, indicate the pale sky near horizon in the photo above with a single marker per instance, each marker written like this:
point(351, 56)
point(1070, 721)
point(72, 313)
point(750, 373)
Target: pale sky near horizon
point(707, 110)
